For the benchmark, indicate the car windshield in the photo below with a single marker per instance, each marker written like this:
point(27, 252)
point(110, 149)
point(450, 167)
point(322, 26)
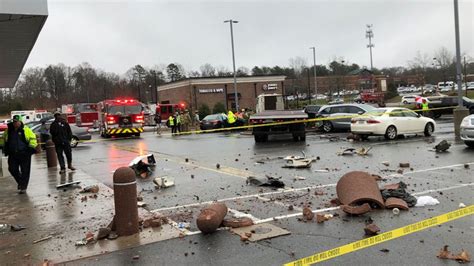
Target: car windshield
point(212, 117)
point(125, 109)
point(377, 111)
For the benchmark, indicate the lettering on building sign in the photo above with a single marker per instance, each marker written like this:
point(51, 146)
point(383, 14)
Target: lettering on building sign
point(217, 90)
point(270, 87)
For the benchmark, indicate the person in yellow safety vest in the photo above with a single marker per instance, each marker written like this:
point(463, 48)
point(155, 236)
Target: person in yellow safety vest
point(171, 124)
point(178, 121)
point(230, 118)
point(424, 107)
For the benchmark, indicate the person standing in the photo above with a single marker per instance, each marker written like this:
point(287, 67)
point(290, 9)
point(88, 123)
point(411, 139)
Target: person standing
point(424, 107)
point(186, 120)
point(197, 121)
point(171, 123)
point(231, 118)
point(178, 122)
point(158, 123)
point(19, 144)
point(61, 135)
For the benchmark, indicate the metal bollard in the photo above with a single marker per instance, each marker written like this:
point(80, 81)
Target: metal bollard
point(51, 157)
point(125, 198)
point(211, 217)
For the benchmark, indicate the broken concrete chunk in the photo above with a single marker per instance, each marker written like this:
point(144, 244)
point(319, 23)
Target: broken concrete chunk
point(322, 218)
point(371, 229)
point(239, 222)
point(308, 214)
point(298, 163)
point(90, 189)
point(163, 182)
point(392, 202)
point(356, 210)
point(386, 163)
point(462, 257)
point(270, 182)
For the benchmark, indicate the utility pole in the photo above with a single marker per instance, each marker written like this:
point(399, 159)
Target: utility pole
point(314, 73)
point(369, 34)
point(309, 86)
point(465, 74)
point(230, 21)
point(460, 112)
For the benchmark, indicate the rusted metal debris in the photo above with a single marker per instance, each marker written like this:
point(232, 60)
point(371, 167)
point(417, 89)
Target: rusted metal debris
point(357, 187)
point(356, 210)
point(371, 229)
point(392, 202)
point(237, 222)
point(211, 217)
point(462, 257)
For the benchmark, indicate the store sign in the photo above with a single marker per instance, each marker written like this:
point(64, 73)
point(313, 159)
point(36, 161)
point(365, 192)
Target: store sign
point(270, 87)
point(217, 90)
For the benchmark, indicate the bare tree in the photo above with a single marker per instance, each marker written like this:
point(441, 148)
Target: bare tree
point(298, 64)
point(207, 70)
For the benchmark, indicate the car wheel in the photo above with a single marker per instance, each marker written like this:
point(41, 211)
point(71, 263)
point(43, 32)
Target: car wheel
point(391, 133)
point(470, 144)
point(74, 142)
point(429, 129)
point(327, 126)
point(405, 102)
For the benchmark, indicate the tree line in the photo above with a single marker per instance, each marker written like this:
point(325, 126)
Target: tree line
point(54, 85)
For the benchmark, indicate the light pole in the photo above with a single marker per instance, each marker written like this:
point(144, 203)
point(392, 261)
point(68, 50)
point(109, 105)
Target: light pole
point(369, 34)
point(442, 70)
point(314, 74)
point(230, 21)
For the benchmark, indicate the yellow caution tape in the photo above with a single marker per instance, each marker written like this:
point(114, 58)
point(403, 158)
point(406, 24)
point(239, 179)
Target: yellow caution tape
point(121, 131)
point(390, 235)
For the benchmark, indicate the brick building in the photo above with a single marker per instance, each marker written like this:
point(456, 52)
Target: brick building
point(197, 91)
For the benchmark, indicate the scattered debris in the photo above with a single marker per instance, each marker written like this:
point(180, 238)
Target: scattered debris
point(426, 201)
point(211, 217)
point(86, 240)
point(396, 211)
point(43, 239)
point(363, 151)
point(112, 236)
point(321, 170)
point(298, 163)
point(17, 227)
point(322, 218)
point(386, 163)
point(462, 205)
point(392, 186)
point(462, 257)
point(356, 210)
point(218, 166)
point(308, 214)
point(319, 193)
point(371, 229)
point(67, 184)
point(377, 177)
point(136, 257)
point(400, 193)
point(143, 165)
point(348, 151)
point(163, 182)
point(392, 202)
point(270, 182)
point(239, 222)
point(290, 208)
point(299, 178)
point(443, 146)
point(466, 166)
point(90, 189)
point(404, 165)
point(385, 250)
point(335, 202)
point(259, 232)
point(141, 203)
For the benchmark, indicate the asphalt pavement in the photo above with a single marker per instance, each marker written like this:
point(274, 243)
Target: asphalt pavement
point(191, 160)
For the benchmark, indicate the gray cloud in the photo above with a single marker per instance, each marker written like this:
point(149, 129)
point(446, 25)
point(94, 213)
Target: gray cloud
point(115, 35)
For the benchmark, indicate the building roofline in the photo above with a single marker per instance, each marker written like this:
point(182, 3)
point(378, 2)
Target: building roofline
point(219, 80)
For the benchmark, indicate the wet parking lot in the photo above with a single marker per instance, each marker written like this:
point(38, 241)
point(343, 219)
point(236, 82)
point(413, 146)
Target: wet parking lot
point(191, 161)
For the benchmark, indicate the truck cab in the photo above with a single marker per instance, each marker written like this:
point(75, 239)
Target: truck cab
point(120, 117)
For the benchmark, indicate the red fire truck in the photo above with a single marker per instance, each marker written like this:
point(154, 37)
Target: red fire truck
point(120, 117)
point(165, 110)
point(81, 114)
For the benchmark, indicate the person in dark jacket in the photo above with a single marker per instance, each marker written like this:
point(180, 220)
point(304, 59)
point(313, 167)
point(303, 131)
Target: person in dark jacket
point(61, 135)
point(19, 144)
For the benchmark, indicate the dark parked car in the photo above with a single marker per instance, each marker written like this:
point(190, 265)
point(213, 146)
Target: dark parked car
point(312, 110)
point(218, 121)
point(78, 133)
point(345, 112)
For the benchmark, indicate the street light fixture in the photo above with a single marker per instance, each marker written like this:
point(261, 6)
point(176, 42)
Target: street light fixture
point(314, 74)
point(230, 21)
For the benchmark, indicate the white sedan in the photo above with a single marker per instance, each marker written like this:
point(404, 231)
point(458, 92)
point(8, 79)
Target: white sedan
point(467, 130)
point(391, 122)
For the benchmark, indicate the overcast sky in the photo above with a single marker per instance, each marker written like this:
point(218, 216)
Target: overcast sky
point(116, 35)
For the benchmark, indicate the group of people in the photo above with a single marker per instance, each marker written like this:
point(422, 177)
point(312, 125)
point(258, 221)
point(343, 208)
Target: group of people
point(182, 121)
point(20, 144)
